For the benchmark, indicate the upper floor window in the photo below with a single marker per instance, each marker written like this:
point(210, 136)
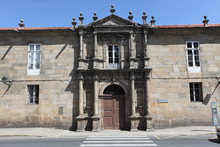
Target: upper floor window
point(34, 57)
point(196, 92)
point(113, 56)
point(193, 56)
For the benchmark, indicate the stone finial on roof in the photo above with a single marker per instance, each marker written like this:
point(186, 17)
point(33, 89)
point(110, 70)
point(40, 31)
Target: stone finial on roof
point(95, 16)
point(130, 17)
point(74, 23)
point(152, 22)
point(144, 18)
point(21, 24)
point(205, 21)
point(112, 10)
point(81, 18)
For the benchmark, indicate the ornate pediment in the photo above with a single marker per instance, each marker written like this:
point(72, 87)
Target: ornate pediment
point(110, 22)
point(113, 20)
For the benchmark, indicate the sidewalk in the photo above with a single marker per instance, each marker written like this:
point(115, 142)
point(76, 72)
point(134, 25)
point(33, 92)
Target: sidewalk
point(58, 133)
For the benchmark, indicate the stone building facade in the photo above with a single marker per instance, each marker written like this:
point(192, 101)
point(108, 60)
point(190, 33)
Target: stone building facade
point(110, 74)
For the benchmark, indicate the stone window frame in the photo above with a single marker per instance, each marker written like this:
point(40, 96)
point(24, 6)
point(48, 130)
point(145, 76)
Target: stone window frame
point(34, 52)
point(116, 65)
point(196, 91)
point(33, 94)
point(193, 68)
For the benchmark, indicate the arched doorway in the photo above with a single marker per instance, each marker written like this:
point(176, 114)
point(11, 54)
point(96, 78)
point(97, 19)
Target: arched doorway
point(114, 107)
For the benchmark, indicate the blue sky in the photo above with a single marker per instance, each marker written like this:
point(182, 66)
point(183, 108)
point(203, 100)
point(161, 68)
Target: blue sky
point(46, 13)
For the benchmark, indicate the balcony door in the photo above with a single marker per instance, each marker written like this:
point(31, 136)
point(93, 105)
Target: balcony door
point(113, 57)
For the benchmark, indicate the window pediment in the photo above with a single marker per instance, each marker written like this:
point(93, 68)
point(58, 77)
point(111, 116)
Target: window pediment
point(113, 38)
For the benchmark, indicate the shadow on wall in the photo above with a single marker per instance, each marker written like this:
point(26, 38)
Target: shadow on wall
point(3, 57)
point(7, 51)
point(208, 96)
point(62, 49)
point(72, 87)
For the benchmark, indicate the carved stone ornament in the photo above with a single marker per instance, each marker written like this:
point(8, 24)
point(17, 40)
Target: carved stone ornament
point(113, 38)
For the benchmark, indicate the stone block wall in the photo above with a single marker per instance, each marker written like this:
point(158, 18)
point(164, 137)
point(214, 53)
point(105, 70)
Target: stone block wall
point(57, 99)
point(169, 92)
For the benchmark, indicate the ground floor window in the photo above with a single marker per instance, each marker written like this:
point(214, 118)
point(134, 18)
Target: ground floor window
point(196, 92)
point(33, 94)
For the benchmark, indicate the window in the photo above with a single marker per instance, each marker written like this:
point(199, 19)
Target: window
point(113, 56)
point(193, 56)
point(33, 94)
point(34, 57)
point(196, 92)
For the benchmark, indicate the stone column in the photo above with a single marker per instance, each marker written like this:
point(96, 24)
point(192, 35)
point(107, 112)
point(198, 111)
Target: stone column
point(133, 99)
point(96, 115)
point(81, 44)
point(146, 57)
point(81, 98)
point(135, 119)
point(95, 45)
point(81, 51)
point(132, 50)
point(95, 60)
point(132, 45)
point(96, 111)
point(81, 122)
point(148, 117)
point(122, 54)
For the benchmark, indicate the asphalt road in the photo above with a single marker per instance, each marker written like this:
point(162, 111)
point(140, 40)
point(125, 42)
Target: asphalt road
point(186, 141)
point(40, 142)
point(114, 141)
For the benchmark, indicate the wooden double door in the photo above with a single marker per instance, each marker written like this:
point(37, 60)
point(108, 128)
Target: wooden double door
point(114, 112)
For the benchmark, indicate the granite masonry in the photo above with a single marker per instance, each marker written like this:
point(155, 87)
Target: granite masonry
point(113, 73)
